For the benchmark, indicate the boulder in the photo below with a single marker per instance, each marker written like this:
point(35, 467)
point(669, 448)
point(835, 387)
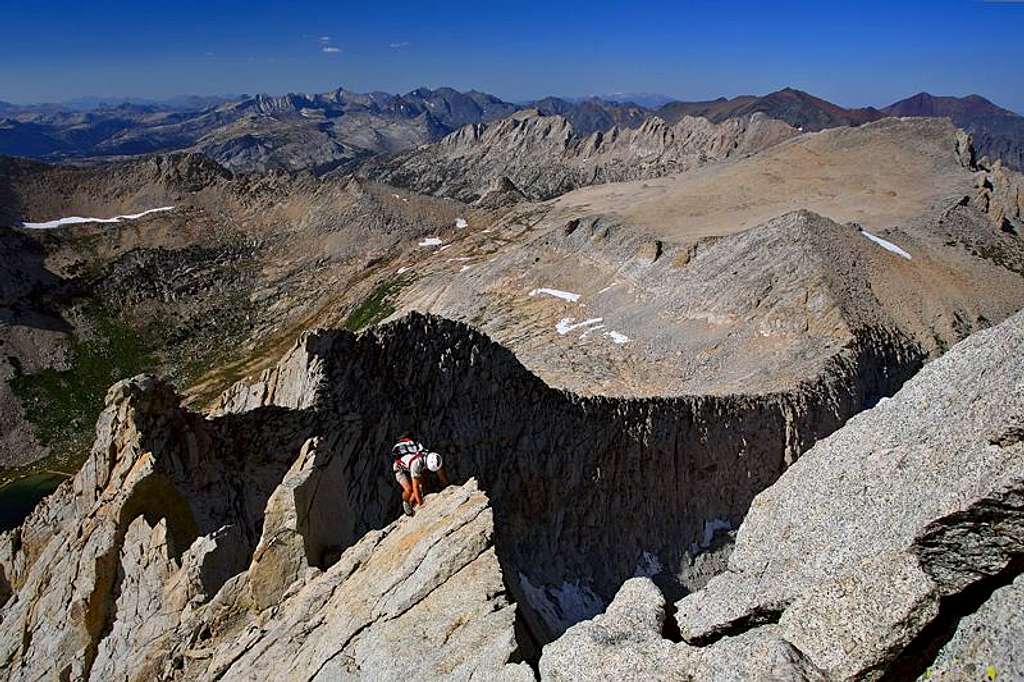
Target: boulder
point(625, 643)
point(628, 642)
point(864, 618)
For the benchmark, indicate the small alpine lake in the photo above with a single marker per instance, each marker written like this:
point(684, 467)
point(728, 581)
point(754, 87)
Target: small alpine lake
point(19, 497)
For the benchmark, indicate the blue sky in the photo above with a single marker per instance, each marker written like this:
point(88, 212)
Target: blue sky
point(853, 53)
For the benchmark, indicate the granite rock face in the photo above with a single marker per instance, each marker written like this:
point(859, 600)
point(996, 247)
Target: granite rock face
point(1001, 194)
point(151, 524)
point(891, 550)
point(581, 494)
point(424, 593)
point(889, 522)
point(174, 555)
point(987, 640)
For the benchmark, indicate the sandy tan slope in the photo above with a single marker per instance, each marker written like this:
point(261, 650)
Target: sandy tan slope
point(880, 174)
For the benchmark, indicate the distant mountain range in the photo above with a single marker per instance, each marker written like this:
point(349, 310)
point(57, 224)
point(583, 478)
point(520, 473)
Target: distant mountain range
point(965, 108)
point(341, 129)
point(651, 100)
point(293, 132)
point(176, 103)
point(998, 133)
point(593, 115)
point(795, 107)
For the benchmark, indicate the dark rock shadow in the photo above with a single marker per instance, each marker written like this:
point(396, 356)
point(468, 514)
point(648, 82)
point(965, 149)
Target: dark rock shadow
point(920, 654)
point(11, 205)
point(29, 292)
point(586, 492)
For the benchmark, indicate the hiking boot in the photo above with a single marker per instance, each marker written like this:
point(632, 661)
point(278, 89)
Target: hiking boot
point(407, 507)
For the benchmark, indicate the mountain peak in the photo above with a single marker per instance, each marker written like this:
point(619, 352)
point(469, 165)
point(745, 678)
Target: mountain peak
point(796, 107)
point(960, 109)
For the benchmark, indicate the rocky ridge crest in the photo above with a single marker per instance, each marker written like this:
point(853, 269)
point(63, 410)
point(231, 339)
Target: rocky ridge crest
point(262, 540)
point(544, 156)
point(187, 533)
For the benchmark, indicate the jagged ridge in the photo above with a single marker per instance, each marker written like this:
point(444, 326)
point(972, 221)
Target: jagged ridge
point(583, 489)
point(544, 156)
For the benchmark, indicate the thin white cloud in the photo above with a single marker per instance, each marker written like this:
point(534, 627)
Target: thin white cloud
point(325, 39)
point(404, 43)
point(330, 49)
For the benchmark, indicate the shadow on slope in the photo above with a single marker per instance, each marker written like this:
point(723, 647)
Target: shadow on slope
point(27, 286)
point(586, 492)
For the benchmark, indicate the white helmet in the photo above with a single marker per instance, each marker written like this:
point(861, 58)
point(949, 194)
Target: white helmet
point(434, 461)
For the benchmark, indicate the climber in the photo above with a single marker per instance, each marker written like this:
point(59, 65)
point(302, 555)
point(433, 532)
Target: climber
point(410, 463)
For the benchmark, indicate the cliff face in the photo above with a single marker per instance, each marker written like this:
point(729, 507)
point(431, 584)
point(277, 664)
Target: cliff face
point(892, 550)
point(206, 547)
point(195, 549)
point(149, 524)
point(586, 490)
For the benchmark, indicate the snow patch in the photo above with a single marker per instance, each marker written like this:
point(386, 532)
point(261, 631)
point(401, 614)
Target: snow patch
point(648, 566)
point(557, 293)
point(403, 269)
point(566, 324)
point(461, 223)
point(887, 245)
point(431, 241)
point(616, 337)
point(75, 220)
point(562, 607)
point(607, 288)
point(464, 268)
point(711, 526)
